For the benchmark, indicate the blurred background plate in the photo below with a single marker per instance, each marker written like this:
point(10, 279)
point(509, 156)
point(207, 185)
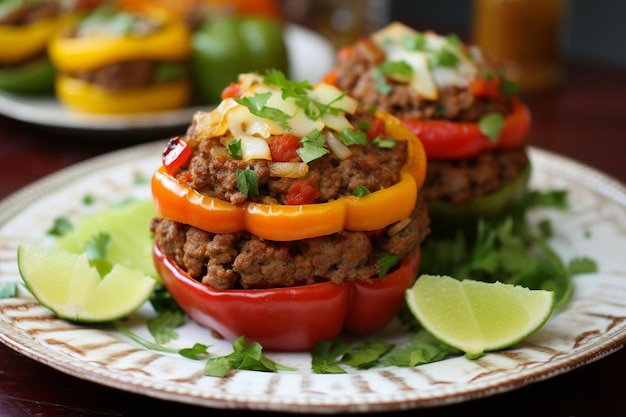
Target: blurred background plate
point(310, 57)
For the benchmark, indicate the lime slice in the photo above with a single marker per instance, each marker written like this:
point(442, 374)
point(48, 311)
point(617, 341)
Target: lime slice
point(128, 225)
point(477, 317)
point(65, 283)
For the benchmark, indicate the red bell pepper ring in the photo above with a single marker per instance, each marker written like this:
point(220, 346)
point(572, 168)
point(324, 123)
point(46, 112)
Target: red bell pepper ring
point(291, 318)
point(453, 140)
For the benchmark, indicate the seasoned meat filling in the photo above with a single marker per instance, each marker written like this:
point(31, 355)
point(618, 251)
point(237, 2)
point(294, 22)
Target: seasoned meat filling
point(241, 260)
point(357, 77)
point(458, 181)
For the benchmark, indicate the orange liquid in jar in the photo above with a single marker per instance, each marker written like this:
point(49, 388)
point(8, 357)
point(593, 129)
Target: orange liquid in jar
point(524, 36)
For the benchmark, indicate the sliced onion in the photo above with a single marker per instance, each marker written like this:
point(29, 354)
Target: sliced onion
point(398, 226)
point(289, 169)
point(337, 147)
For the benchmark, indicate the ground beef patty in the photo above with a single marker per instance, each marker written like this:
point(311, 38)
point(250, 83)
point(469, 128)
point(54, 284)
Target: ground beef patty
point(241, 260)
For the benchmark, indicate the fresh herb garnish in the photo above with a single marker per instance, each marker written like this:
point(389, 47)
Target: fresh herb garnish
point(60, 227)
point(234, 148)
point(414, 43)
point(491, 125)
point(382, 85)
point(96, 250)
point(352, 137)
point(8, 290)
point(360, 191)
point(384, 143)
point(326, 353)
point(256, 105)
point(386, 262)
point(248, 357)
point(162, 326)
point(312, 146)
point(423, 348)
point(443, 58)
point(397, 70)
point(247, 182)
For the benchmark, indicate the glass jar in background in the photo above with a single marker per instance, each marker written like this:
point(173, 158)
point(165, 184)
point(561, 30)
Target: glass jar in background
point(342, 22)
point(524, 36)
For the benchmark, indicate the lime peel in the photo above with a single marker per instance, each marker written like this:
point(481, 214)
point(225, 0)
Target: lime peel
point(68, 285)
point(476, 317)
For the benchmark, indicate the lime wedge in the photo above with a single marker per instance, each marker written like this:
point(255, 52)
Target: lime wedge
point(65, 283)
point(128, 225)
point(477, 317)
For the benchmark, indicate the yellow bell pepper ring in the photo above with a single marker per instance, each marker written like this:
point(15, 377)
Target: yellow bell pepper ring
point(18, 43)
point(70, 54)
point(85, 97)
point(180, 203)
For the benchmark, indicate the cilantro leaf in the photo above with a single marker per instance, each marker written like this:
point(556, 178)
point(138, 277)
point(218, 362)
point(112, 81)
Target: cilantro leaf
point(423, 348)
point(312, 146)
point(325, 355)
point(248, 357)
point(234, 148)
point(195, 352)
point(360, 191)
point(384, 143)
point(382, 85)
point(386, 262)
point(397, 70)
point(443, 58)
point(353, 137)
point(60, 227)
point(256, 105)
point(162, 326)
point(247, 182)
point(367, 354)
point(8, 290)
point(96, 250)
point(491, 125)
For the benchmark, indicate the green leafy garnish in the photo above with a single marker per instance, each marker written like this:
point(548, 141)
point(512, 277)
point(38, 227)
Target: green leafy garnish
point(256, 105)
point(197, 351)
point(96, 250)
point(414, 43)
point(382, 85)
point(367, 354)
point(423, 348)
point(248, 357)
point(353, 137)
point(443, 58)
point(508, 87)
point(8, 290)
point(386, 262)
point(162, 326)
point(360, 191)
point(397, 70)
point(234, 148)
point(491, 125)
point(299, 90)
point(60, 227)
point(384, 143)
point(326, 353)
point(247, 182)
point(312, 146)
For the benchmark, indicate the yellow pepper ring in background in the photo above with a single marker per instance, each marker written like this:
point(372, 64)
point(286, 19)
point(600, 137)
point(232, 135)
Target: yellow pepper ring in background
point(80, 95)
point(170, 43)
point(374, 211)
point(18, 43)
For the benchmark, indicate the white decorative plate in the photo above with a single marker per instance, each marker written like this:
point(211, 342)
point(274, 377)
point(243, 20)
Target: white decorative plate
point(590, 326)
point(310, 57)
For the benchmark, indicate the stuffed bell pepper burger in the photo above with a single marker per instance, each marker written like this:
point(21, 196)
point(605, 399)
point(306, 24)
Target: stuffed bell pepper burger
point(464, 111)
point(290, 213)
point(122, 60)
point(25, 28)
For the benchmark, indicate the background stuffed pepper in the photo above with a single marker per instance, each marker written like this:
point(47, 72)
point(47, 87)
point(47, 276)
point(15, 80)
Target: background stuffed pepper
point(25, 28)
point(290, 213)
point(123, 61)
point(467, 115)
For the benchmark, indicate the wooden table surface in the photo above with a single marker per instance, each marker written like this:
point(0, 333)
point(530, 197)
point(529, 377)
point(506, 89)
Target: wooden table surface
point(585, 119)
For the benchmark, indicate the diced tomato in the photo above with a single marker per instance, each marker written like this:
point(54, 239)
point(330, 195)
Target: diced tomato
point(283, 148)
point(302, 192)
point(377, 129)
point(231, 91)
point(485, 87)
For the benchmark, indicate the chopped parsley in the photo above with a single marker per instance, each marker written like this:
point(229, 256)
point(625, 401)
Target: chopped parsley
point(360, 191)
point(312, 146)
point(256, 105)
point(247, 181)
point(491, 125)
point(234, 148)
point(353, 137)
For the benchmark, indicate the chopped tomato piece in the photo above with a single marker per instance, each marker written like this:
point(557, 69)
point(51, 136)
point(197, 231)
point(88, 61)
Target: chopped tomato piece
point(302, 192)
point(283, 148)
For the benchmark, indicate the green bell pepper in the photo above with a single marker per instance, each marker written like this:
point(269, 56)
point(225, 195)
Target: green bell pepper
point(447, 218)
point(225, 46)
point(35, 77)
